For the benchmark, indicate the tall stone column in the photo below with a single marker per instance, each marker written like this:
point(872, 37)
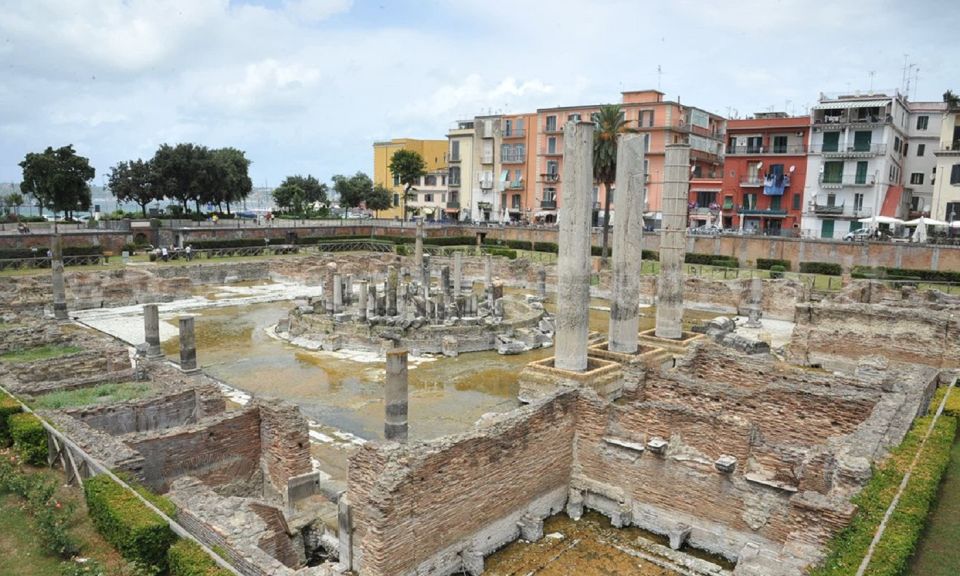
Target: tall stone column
point(542, 282)
point(573, 259)
point(445, 285)
point(151, 329)
point(756, 303)
point(627, 246)
point(487, 273)
point(337, 294)
point(372, 307)
point(392, 284)
point(362, 307)
point(188, 345)
point(457, 273)
point(328, 287)
point(395, 421)
point(348, 290)
point(418, 247)
point(425, 276)
point(673, 229)
point(59, 284)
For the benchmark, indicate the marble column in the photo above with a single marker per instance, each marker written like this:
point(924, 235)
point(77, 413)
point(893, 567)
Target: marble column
point(457, 272)
point(188, 344)
point(151, 329)
point(418, 247)
point(672, 237)
point(392, 285)
point(362, 307)
point(395, 391)
point(59, 284)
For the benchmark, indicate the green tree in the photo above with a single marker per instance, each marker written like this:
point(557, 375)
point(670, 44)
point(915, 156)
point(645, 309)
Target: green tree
point(182, 172)
point(353, 190)
point(610, 124)
point(58, 179)
point(298, 194)
point(408, 167)
point(952, 100)
point(133, 181)
point(14, 200)
point(230, 181)
point(379, 198)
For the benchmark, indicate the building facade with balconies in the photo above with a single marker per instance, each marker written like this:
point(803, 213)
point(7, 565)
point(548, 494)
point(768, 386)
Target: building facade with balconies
point(946, 195)
point(920, 160)
point(765, 167)
point(428, 199)
point(855, 162)
point(460, 174)
point(433, 152)
point(646, 111)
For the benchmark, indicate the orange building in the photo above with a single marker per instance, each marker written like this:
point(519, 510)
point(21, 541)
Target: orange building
point(646, 111)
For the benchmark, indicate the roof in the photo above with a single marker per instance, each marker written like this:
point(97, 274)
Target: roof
point(838, 105)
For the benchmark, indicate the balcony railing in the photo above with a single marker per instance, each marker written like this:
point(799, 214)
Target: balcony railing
point(454, 158)
point(549, 152)
point(846, 180)
point(851, 151)
point(548, 129)
point(513, 159)
point(453, 182)
point(853, 119)
point(763, 150)
point(550, 177)
point(950, 149)
point(453, 204)
point(754, 211)
point(515, 185)
point(548, 204)
point(842, 210)
point(514, 133)
point(751, 182)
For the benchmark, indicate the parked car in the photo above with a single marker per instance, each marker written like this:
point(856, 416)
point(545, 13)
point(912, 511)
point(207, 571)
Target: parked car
point(861, 234)
point(706, 230)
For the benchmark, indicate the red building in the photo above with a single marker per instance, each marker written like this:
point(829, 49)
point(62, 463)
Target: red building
point(764, 171)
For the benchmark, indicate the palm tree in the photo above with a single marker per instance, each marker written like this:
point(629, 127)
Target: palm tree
point(610, 124)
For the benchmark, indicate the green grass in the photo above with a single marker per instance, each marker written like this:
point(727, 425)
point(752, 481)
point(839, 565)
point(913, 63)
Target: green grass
point(938, 553)
point(102, 394)
point(45, 352)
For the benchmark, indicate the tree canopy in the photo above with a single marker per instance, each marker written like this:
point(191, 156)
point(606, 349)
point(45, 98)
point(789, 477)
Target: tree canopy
point(408, 167)
point(610, 124)
point(133, 181)
point(190, 172)
point(299, 193)
point(353, 190)
point(379, 198)
point(58, 179)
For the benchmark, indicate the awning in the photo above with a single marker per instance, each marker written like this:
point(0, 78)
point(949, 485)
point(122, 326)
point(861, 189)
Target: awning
point(843, 104)
point(514, 210)
point(452, 210)
point(543, 213)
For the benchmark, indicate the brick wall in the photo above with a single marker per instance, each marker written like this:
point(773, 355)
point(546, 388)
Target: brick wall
point(159, 413)
point(411, 503)
point(285, 442)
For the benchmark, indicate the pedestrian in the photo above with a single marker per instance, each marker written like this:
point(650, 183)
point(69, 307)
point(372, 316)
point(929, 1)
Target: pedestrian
point(189, 251)
point(164, 254)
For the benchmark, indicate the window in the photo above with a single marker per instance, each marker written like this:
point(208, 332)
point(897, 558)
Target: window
point(896, 143)
point(454, 150)
point(552, 145)
point(487, 152)
point(754, 144)
point(507, 127)
point(455, 176)
point(797, 199)
point(750, 201)
point(515, 201)
point(732, 145)
point(915, 204)
point(779, 144)
point(955, 174)
point(728, 202)
point(832, 172)
point(552, 167)
point(551, 124)
point(646, 118)
point(831, 199)
point(430, 180)
point(775, 202)
point(705, 199)
point(861, 140)
point(753, 171)
point(858, 202)
point(549, 194)
point(503, 199)
point(953, 211)
point(890, 173)
point(396, 199)
point(519, 126)
point(831, 141)
point(573, 118)
point(428, 197)
point(861, 177)
point(922, 122)
point(921, 148)
point(396, 180)
point(916, 178)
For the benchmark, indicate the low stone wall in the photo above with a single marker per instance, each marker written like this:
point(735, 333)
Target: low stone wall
point(161, 413)
point(456, 488)
point(78, 370)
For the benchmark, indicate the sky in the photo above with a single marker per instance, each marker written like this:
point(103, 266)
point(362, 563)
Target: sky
point(307, 86)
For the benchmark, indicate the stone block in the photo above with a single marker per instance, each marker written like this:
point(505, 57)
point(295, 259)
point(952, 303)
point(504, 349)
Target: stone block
point(678, 535)
point(531, 528)
point(726, 464)
point(657, 445)
point(574, 507)
point(472, 561)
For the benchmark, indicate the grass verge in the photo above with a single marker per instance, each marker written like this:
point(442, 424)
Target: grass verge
point(44, 352)
point(102, 394)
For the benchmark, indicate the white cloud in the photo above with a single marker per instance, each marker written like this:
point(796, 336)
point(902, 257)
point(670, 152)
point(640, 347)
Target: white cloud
point(317, 10)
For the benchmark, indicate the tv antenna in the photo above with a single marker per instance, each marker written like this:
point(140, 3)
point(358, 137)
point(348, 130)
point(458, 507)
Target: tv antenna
point(659, 75)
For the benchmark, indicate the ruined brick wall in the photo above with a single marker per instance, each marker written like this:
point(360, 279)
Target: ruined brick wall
point(780, 297)
point(837, 335)
point(74, 370)
point(410, 503)
point(29, 335)
point(160, 413)
point(220, 450)
point(285, 442)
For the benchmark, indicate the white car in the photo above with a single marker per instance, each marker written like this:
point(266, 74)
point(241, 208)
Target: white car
point(861, 234)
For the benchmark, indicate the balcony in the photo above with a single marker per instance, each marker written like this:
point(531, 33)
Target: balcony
point(769, 212)
point(514, 185)
point(513, 159)
point(454, 158)
point(951, 149)
point(552, 129)
point(514, 133)
point(841, 211)
point(846, 180)
point(548, 204)
point(852, 118)
point(765, 150)
point(486, 184)
point(453, 205)
point(453, 182)
point(754, 182)
point(550, 177)
point(851, 151)
point(554, 152)
point(702, 212)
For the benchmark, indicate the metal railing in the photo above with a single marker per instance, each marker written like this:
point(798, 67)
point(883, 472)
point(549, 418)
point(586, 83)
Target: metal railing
point(788, 149)
point(846, 180)
point(550, 177)
point(850, 151)
point(44, 262)
point(548, 204)
point(514, 133)
point(513, 159)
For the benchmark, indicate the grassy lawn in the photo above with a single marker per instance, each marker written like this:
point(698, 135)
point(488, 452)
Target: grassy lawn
point(938, 553)
point(39, 353)
point(101, 394)
point(21, 553)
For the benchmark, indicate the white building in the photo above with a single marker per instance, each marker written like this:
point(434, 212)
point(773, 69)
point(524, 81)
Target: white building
point(855, 166)
point(430, 197)
point(920, 161)
point(460, 178)
point(487, 185)
point(946, 195)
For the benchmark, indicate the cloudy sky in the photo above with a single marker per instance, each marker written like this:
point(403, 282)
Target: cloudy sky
point(306, 86)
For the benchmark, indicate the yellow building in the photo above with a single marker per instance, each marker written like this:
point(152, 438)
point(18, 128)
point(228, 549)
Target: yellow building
point(434, 153)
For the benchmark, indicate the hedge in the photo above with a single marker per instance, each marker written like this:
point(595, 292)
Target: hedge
point(41, 252)
point(767, 263)
point(187, 559)
point(711, 260)
point(122, 519)
point(848, 548)
point(776, 271)
point(885, 273)
point(8, 407)
point(233, 243)
point(511, 254)
point(952, 408)
point(29, 438)
point(827, 268)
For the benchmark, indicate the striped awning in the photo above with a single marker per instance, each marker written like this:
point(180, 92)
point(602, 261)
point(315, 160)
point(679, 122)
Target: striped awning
point(843, 104)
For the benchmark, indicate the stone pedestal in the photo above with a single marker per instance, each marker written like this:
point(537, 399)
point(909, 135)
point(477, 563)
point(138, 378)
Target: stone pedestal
point(395, 421)
point(59, 284)
point(573, 259)
point(151, 329)
point(672, 234)
point(188, 345)
point(627, 246)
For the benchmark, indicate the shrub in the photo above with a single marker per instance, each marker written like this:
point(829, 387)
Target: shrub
point(848, 548)
point(768, 263)
point(510, 254)
point(711, 260)
point(651, 255)
point(50, 516)
point(776, 271)
point(403, 250)
point(952, 408)
point(8, 407)
point(827, 268)
point(122, 519)
point(187, 559)
point(29, 438)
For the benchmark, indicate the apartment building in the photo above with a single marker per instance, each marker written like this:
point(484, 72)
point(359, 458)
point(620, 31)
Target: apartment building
point(855, 162)
point(428, 199)
point(764, 171)
point(460, 178)
point(946, 195)
point(647, 111)
point(433, 152)
point(920, 161)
